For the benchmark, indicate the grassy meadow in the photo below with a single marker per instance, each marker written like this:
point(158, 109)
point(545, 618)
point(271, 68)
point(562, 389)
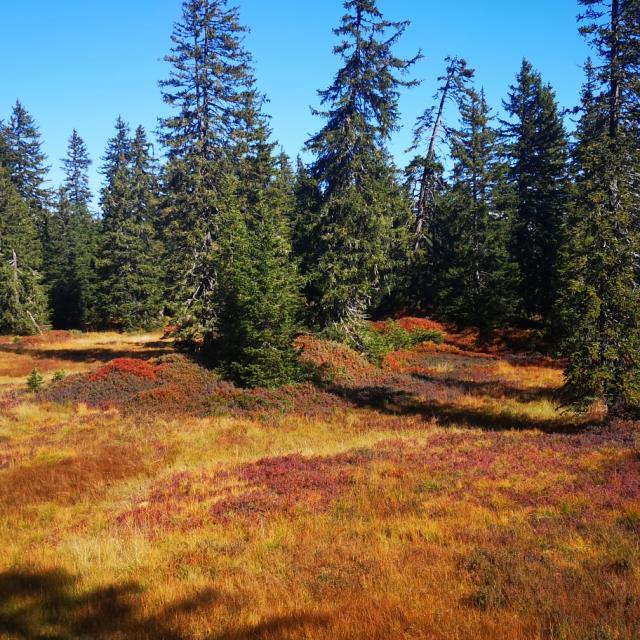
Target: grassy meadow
point(441, 495)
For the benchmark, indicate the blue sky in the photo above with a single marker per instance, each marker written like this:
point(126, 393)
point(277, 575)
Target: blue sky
point(81, 63)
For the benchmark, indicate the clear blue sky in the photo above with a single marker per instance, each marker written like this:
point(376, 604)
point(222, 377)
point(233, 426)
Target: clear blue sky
point(81, 63)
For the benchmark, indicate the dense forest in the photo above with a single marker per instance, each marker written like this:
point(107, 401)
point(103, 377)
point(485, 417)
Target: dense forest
point(531, 220)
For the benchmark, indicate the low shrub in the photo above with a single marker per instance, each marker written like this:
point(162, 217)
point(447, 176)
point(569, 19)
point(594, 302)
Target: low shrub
point(334, 363)
point(172, 384)
point(58, 376)
point(411, 324)
point(34, 381)
point(379, 341)
point(49, 337)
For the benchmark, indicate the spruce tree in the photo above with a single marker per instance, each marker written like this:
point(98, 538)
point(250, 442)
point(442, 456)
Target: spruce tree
point(71, 251)
point(600, 306)
point(424, 177)
point(129, 294)
point(259, 295)
point(361, 226)
point(22, 300)
point(475, 278)
point(26, 164)
point(76, 168)
point(537, 152)
point(207, 88)
point(422, 173)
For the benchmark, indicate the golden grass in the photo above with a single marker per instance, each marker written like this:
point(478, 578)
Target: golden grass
point(473, 510)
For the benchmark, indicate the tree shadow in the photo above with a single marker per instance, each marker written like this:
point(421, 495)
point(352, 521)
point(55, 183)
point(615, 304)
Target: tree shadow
point(401, 402)
point(48, 605)
point(94, 354)
point(492, 389)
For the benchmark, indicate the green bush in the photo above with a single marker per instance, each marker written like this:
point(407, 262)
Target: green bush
point(34, 381)
point(377, 344)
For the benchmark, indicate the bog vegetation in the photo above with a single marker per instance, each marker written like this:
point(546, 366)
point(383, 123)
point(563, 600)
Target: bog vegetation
point(438, 494)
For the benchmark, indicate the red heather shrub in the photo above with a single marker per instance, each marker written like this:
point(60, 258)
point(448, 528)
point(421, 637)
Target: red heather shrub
point(49, 337)
point(285, 484)
point(254, 490)
point(170, 384)
point(336, 363)
point(111, 385)
point(420, 324)
point(126, 366)
point(412, 360)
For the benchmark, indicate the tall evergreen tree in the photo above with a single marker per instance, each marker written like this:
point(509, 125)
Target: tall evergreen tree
point(363, 214)
point(423, 172)
point(71, 251)
point(129, 294)
point(538, 154)
point(600, 308)
point(26, 164)
point(426, 182)
point(260, 289)
point(76, 168)
point(475, 277)
point(22, 300)
point(259, 294)
point(208, 85)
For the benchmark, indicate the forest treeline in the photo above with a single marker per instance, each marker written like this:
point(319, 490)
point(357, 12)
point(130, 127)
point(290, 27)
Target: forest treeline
point(495, 222)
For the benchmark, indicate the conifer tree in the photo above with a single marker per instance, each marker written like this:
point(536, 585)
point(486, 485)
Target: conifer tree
point(71, 251)
point(600, 306)
point(4, 146)
point(76, 168)
point(22, 300)
point(259, 295)
point(363, 214)
point(425, 179)
point(307, 202)
point(422, 173)
point(225, 204)
point(26, 164)
point(207, 88)
point(475, 277)
point(129, 292)
point(537, 151)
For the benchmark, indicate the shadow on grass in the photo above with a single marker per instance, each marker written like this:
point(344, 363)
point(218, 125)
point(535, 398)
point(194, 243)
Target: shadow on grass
point(94, 354)
point(399, 402)
point(47, 604)
point(491, 389)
